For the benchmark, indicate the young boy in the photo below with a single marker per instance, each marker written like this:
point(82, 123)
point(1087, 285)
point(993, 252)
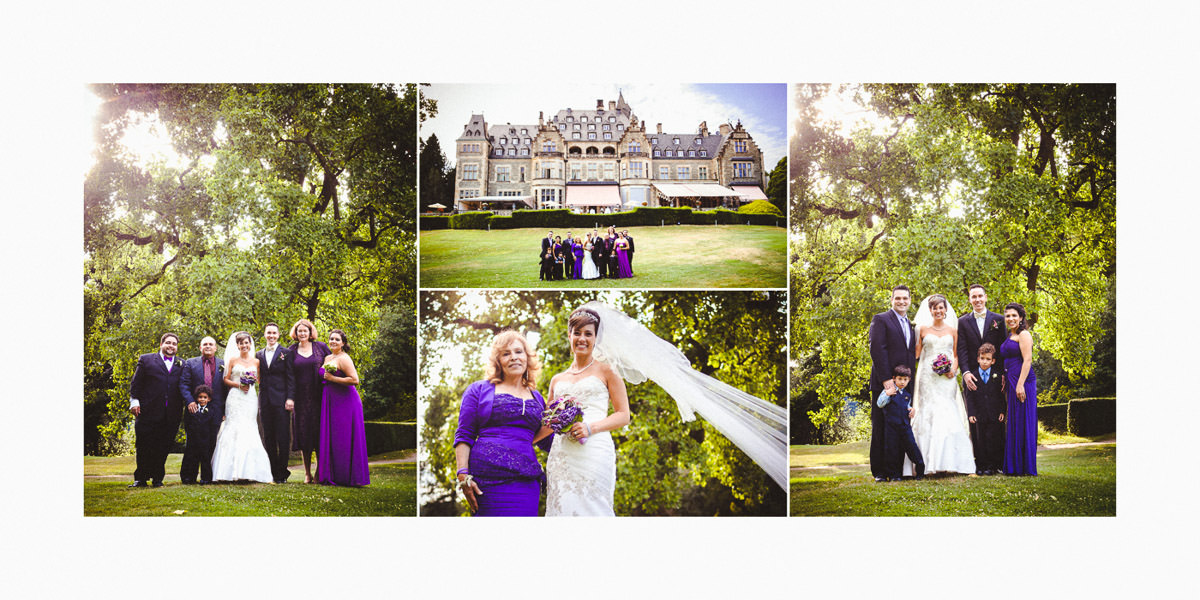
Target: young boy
point(198, 426)
point(898, 437)
point(985, 408)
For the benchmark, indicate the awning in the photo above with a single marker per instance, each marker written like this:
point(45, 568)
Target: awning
point(527, 200)
point(749, 192)
point(593, 195)
point(694, 190)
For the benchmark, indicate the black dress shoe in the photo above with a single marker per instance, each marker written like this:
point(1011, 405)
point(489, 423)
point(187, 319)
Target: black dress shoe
point(156, 484)
point(919, 471)
point(138, 484)
point(880, 479)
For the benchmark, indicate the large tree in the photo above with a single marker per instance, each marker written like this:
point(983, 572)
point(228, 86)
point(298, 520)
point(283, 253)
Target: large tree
point(281, 202)
point(1008, 185)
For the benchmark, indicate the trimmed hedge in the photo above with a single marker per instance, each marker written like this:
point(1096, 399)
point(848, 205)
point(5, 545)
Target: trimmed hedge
point(387, 437)
point(760, 207)
point(431, 222)
point(1092, 416)
point(1054, 416)
point(564, 219)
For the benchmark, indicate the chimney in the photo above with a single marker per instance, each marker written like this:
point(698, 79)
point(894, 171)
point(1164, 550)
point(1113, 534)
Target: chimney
point(612, 105)
point(660, 127)
point(725, 129)
point(541, 121)
point(600, 103)
point(703, 127)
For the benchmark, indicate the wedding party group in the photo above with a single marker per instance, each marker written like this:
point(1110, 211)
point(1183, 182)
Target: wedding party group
point(592, 256)
point(304, 397)
point(922, 422)
point(503, 417)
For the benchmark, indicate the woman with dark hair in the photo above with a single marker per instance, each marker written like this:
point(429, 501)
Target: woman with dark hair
point(342, 448)
point(499, 421)
point(940, 424)
point(239, 453)
point(1021, 425)
point(309, 356)
point(623, 269)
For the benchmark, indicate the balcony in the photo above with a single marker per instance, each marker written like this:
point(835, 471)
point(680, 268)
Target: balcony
point(634, 155)
point(548, 154)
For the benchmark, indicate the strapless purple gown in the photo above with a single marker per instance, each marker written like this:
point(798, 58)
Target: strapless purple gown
point(623, 269)
point(1021, 424)
point(342, 451)
point(503, 461)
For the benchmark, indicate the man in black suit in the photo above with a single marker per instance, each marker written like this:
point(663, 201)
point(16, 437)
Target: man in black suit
point(276, 384)
point(629, 252)
point(600, 254)
point(545, 256)
point(610, 242)
point(892, 342)
point(976, 328)
point(156, 403)
point(207, 369)
point(568, 246)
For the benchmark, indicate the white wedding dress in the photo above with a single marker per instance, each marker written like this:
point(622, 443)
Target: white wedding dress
point(589, 268)
point(940, 424)
point(240, 453)
point(581, 478)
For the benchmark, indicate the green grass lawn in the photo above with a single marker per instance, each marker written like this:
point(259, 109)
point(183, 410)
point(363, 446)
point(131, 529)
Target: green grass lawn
point(1078, 481)
point(393, 492)
point(678, 256)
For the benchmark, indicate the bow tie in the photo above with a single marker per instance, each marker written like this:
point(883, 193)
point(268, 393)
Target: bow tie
point(168, 358)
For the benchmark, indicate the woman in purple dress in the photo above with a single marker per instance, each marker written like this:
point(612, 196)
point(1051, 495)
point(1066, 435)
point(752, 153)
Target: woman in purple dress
point(342, 449)
point(577, 250)
point(499, 422)
point(1020, 443)
point(623, 269)
point(306, 369)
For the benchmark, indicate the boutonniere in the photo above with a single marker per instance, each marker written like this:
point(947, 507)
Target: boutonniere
point(220, 367)
point(995, 324)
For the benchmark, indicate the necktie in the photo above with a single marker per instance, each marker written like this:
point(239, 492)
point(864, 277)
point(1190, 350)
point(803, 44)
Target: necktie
point(208, 372)
point(904, 328)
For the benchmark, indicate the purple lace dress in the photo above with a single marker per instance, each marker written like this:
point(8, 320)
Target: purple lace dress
point(1021, 425)
point(342, 451)
point(307, 373)
point(502, 458)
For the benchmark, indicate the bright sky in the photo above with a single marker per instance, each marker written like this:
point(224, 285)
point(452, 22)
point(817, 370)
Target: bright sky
point(762, 107)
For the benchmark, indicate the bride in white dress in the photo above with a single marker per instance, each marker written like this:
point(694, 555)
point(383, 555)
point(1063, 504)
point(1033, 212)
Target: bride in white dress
point(240, 454)
point(581, 471)
point(589, 267)
point(940, 423)
point(610, 349)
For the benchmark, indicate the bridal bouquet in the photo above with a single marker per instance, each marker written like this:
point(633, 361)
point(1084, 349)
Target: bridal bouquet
point(330, 367)
point(562, 414)
point(249, 378)
point(941, 364)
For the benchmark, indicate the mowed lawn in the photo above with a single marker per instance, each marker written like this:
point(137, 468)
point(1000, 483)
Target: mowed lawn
point(393, 492)
point(675, 256)
point(1076, 480)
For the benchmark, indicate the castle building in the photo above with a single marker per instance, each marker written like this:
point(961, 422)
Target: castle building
point(602, 160)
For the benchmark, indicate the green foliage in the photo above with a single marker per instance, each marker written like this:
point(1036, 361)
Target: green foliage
point(389, 393)
point(1092, 416)
point(777, 185)
point(389, 437)
point(1009, 186)
point(760, 207)
point(292, 201)
point(1053, 416)
point(470, 220)
point(563, 219)
point(664, 465)
point(434, 222)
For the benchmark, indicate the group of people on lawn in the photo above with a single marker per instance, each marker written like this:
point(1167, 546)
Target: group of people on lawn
point(593, 256)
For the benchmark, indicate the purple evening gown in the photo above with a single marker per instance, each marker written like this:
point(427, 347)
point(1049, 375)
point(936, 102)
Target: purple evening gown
point(578, 262)
point(342, 452)
point(1021, 425)
point(623, 269)
point(307, 373)
point(502, 458)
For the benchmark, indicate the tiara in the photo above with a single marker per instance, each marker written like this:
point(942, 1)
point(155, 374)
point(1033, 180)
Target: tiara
point(587, 315)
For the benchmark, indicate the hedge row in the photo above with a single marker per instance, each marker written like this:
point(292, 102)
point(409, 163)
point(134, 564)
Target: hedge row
point(565, 219)
point(1054, 416)
point(1092, 416)
point(387, 437)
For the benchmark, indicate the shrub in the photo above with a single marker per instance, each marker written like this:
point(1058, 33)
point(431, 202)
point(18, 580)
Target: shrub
point(470, 220)
point(760, 207)
point(432, 222)
point(500, 222)
point(1053, 417)
point(387, 437)
point(1092, 416)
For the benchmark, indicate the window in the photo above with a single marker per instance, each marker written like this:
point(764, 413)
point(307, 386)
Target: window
point(607, 135)
point(741, 170)
point(635, 146)
point(697, 141)
point(701, 172)
point(704, 153)
point(502, 174)
point(512, 151)
point(691, 153)
point(664, 172)
point(549, 146)
point(584, 119)
point(654, 141)
point(676, 141)
point(576, 127)
point(657, 153)
point(593, 171)
point(635, 169)
point(524, 132)
point(591, 135)
point(575, 135)
point(576, 172)
point(527, 140)
point(739, 145)
point(669, 154)
point(570, 119)
point(612, 119)
point(683, 173)
point(562, 126)
point(522, 174)
point(607, 127)
point(610, 172)
point(524, 151)
point(620, 127)
point(467, 194)
point(592, 127)
point(470, 171)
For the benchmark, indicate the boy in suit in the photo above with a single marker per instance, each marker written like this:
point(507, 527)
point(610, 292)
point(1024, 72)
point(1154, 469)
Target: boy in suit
point(985, 410)
point(201, 437)
point(898, 437)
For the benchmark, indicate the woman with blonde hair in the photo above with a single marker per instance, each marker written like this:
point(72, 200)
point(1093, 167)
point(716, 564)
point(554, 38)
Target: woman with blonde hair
point(499, 421)
point(306, 369)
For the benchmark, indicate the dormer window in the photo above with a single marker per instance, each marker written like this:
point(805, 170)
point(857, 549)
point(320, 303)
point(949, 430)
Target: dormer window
point(503, 141)
point(691, 153)
point(570, 119)
point(562, 126)
point(704, 153)
point(524, 131)
point(676, 141)
point(612, 119)
point(584, 119)
point(654, 141)
point(620, 127)
point(657, 153)
point(698, 141)
point(527, 140)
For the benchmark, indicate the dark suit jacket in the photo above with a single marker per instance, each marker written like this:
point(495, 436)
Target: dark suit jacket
point(276, 382)
point(193, 375)
point(157, 391)
point(987, 402)
point(888, 349)
point(546, 244)
point(629, 238)
point(969, 341)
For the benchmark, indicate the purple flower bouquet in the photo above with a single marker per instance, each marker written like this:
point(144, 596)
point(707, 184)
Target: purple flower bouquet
point(562, 414)
point(941, 364)
point(249, 378)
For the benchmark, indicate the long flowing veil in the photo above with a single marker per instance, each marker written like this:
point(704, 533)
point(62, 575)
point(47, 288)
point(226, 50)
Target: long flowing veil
point(231, 349)
point(756, 426)
point(924, 318)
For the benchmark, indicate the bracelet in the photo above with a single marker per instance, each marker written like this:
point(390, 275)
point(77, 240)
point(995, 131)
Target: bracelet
point(588, 428)
point(464, 470)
